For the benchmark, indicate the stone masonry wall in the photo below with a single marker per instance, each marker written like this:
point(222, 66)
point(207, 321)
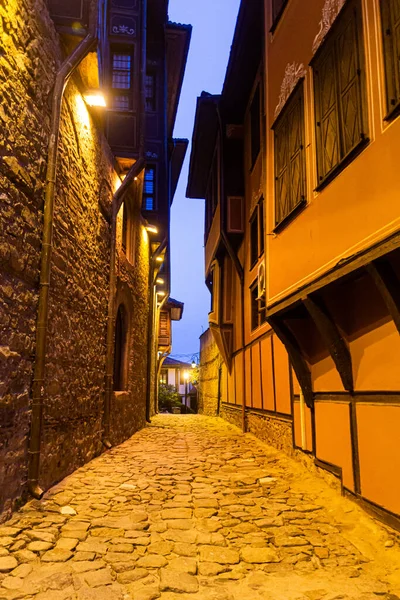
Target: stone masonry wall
point(86, 180)
point(28, 51)
point(210, 361)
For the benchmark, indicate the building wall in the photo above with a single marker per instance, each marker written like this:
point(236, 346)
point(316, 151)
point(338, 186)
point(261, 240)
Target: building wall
point(352, 432)
point(210, 363)
point(86, 181)
point(330, 227)
point(267, 392)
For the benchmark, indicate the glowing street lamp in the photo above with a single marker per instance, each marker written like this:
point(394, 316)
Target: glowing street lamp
point(95, 98)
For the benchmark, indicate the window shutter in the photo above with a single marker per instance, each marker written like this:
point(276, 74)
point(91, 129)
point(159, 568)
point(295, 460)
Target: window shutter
point(282, 172)
point(349, 83)
point(326, 112)
point(296, 146)
point(290, 166)
point(391, 38)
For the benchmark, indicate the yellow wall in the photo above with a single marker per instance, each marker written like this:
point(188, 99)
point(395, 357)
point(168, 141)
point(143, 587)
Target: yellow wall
point(330, 227)
point(333, 439)
point(379, 453)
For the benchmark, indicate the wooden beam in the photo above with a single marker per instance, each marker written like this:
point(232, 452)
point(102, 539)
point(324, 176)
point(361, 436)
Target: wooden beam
point(298, 361)
point(333, 340)
point(388, 285)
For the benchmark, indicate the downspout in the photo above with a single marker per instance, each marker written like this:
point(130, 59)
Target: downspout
point(117, 200)
point(62, 77)
point(239, 269)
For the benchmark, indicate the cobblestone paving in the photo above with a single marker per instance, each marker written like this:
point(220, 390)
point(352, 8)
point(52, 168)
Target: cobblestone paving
point(191, 508)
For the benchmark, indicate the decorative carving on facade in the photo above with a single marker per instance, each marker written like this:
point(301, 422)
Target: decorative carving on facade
point(123, 30)
point(329, 13)
point(293, 73)
point(152, 155)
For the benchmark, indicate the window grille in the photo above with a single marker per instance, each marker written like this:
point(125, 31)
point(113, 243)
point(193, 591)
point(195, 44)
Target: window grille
point(340, 98)
point(290, 164)
point(391, 38)
point(149, 189)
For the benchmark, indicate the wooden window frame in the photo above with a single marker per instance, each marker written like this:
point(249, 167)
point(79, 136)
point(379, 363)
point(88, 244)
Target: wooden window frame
point(255, 113)
point(116, 92)
point(327, 48)
point(146, 195)
point(152, 74)
point(281, 128)
point(277, 14)
point(258, 311)
point(257, 244)
point(391, 57)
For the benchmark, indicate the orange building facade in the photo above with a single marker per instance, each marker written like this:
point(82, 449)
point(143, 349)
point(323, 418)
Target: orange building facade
point(302, 234)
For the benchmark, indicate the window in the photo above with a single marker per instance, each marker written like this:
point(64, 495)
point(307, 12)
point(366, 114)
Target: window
point(150, 91)
point(255, 126)
point(127, 231)
point(257, 233)
point(290, 163)
point(124, 227)
point(254, 238)
point(212, 194)
point(277, 10)
point(391, 36)
point(149, 189)
point(121, 79)
point(340, 99)
point(257, 305)
point(120, 349)
point(164, 378)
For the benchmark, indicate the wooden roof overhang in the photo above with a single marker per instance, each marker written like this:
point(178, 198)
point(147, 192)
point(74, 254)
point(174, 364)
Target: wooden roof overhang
point(178, 42)
point(244, 60)
point(203, 144)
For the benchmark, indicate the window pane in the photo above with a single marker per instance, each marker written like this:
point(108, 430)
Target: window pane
point(149, 189)
point(150, 92)
point(255, 126)
point(254, 307)
point(148, 203)
point(254, 239)
point(121, 71)
point(121, 102)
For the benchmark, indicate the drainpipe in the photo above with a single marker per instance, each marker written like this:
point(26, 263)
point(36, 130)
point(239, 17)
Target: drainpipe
point(239, 269)
point(62, 77)
point(117, 200)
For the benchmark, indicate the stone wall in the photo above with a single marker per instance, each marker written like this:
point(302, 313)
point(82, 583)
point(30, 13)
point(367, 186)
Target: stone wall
point(210, 362)
point(30, 53)
point(273, 430)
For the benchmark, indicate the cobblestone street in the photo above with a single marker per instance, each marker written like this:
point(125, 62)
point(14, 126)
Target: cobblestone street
point(191, 508)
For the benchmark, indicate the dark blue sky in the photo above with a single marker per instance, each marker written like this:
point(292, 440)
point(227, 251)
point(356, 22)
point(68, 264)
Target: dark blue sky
point(213, 26)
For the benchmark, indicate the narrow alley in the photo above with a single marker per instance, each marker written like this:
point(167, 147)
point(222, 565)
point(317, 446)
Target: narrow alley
point(190, 507)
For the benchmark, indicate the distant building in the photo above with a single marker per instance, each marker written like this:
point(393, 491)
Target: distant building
point(298, 162)
point(177, 373)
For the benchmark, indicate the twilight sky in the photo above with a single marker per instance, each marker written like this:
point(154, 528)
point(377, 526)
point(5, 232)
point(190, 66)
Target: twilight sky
point(213, 26)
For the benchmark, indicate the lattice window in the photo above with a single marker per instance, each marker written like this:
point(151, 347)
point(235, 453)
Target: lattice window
point(150, 91)
point(149, 189)
point(290, 164)
point(340, 98)
point(391, 36)
point(121, 80)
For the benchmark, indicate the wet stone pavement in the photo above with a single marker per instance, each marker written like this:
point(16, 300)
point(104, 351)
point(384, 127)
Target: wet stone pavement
point(191, 508)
